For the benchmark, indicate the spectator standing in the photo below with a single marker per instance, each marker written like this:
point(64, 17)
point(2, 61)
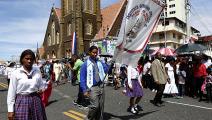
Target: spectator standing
point(199, 75)
point(147, 77)
point(170, 87)
point(207, 84)
point(48, 78)
point(182, 77)
point(77, 66)
point(57, 68)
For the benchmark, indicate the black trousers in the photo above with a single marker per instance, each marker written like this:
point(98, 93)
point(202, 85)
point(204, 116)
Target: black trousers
point(197, 86)
point(209, 92)
point(8, 82)
point(160, 88)
point(149, 81)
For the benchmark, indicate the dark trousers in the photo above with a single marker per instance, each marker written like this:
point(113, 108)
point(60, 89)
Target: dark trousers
point(149, 81)
point(209, 92)
point(159, 94)
point(197, 86)
point(181, 88)
point(8, 82)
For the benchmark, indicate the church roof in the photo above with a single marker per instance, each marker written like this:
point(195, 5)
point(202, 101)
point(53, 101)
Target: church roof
point(58, 12)
point(109, 15)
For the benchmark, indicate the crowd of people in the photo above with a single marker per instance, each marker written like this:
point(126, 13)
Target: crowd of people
point(168, 76)
point(31, 85)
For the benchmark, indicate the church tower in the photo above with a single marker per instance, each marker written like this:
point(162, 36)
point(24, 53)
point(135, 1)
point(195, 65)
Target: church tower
point(82, 17)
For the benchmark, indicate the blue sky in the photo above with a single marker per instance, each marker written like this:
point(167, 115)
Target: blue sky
point(23, 22)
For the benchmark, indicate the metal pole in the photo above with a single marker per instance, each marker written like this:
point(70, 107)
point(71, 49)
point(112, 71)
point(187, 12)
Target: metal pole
point(164, 21)
point(187, 5)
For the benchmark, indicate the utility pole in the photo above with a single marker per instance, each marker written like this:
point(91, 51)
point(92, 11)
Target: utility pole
point(164, 23)
point(187, 5)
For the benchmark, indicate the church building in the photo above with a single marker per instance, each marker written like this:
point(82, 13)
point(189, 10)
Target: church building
point(82, 17)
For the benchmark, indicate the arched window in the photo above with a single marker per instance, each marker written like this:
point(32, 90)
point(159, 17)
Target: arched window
point(58, 37)
point(53, 33)
point(69, 29)
point(49, 40)
point(47, 56)
point(67, 53)
point(53, 54)
point(88, 28)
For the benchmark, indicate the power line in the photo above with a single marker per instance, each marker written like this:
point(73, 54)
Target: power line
point(200, 18)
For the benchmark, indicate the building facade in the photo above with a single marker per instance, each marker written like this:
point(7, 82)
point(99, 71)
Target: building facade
point(206, 41)
point(173, 28)
point(80, 16)
point(170, 32)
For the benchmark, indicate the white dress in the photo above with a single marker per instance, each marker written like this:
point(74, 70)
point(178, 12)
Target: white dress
point(171, 87)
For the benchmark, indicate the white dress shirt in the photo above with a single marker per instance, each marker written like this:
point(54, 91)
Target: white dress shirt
point(20, 83)
point(147, 67)
point(132, 73)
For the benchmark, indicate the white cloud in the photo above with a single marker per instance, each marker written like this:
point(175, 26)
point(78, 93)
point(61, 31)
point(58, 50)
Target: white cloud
point(29, 30)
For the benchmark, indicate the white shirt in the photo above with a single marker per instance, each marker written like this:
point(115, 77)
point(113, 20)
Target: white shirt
point(146, 67)
point(132, 73)
point(20, 84)
point(8, 71)
point(207, 63)
point(57, 67)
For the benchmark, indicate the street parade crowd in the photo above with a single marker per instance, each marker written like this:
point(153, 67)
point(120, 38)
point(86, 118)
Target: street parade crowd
point(30, 85)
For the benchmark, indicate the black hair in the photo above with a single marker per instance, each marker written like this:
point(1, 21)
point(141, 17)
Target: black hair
point(27, 52)
point(75, 56)
point(140, 61)
point(12, 64)
point(92, 48)
point(170, 59)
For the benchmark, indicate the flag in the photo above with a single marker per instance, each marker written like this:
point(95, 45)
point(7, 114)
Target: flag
point(74, 44)
point(140, 18)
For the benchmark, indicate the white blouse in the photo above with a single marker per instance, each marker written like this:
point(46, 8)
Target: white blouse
point(24, 83)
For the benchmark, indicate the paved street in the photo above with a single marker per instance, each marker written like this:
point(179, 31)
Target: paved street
point(62, 108)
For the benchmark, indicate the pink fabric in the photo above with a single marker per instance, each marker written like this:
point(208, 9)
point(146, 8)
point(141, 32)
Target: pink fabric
point(203, 87)
point(165, 51)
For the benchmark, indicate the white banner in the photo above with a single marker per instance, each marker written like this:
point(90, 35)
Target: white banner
point(140, 18)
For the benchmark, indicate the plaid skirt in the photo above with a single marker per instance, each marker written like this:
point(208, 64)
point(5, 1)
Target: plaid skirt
point(136, 89)
point(29, 107)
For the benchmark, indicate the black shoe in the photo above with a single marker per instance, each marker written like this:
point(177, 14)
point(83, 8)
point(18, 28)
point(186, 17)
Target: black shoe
point(138, 108)
point(75, 102)
point(132, 110)
point(128, 109)
point(154, 103)
point(161, 102)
